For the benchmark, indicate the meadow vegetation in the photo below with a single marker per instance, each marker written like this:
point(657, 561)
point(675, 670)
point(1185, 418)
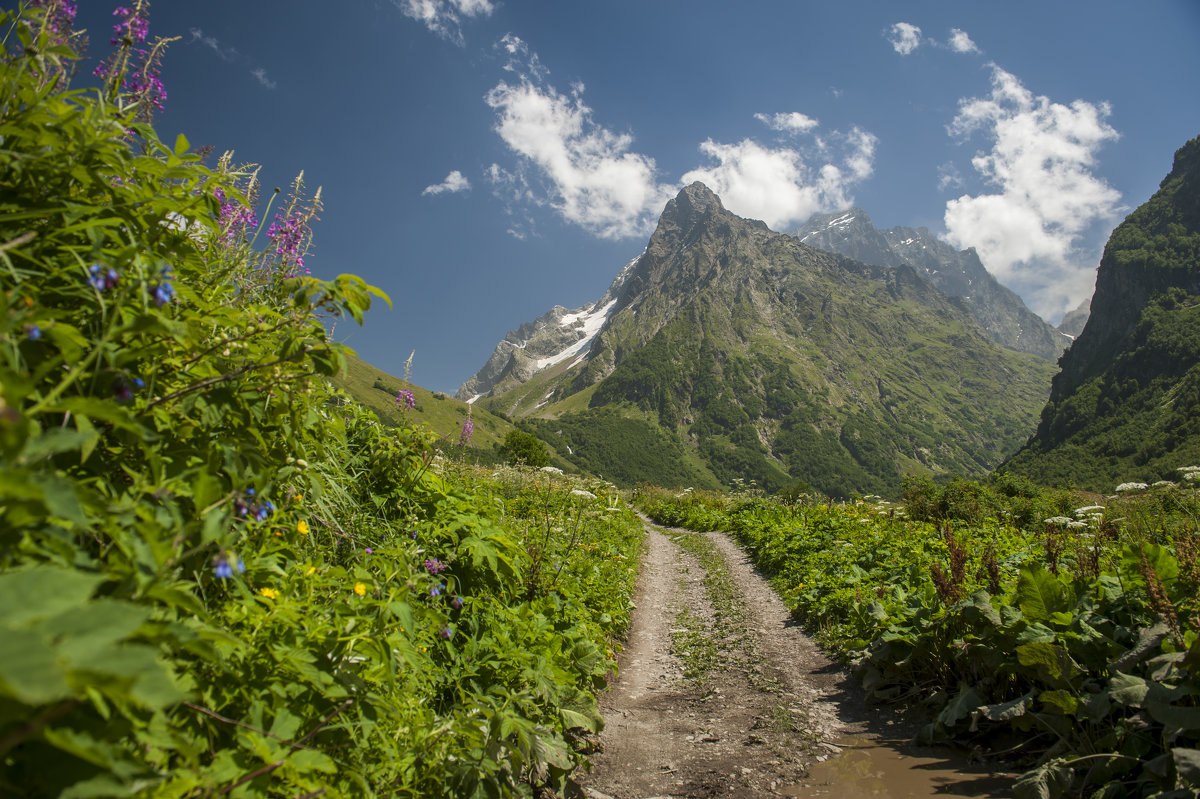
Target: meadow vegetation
point(1057, 629)
point(218, 575)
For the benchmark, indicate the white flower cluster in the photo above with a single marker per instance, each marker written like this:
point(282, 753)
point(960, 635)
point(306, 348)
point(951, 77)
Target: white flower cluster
point(1123, 487)
point(1189, 473)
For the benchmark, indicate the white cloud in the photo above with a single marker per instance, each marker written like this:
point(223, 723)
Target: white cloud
point(1046, 198)
point(785, 186)
point(960, 42)
point(905, 37)
point(260, 75)
point(224, 53)
point(795, 122)
point(454, 183)
point(592, 178)
point(444, 17)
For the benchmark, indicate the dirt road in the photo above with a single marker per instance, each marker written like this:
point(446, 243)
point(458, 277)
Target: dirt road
point(721, 694)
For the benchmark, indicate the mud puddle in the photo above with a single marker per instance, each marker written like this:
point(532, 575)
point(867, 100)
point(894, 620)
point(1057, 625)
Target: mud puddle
point(869, 768)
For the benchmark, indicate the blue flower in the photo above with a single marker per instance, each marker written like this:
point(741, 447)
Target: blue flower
point(223, 570)
point(33, 332)
point(164, 292)
point(102, 279)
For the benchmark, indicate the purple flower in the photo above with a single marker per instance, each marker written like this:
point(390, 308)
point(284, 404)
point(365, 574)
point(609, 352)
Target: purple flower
point(405, 400)
point(33, 332)
point(102, 279)
point(60, 16)
point(434, 566)
point(447, 632)
point(456, 603)
point(370, 551)
point(435, 591)
point(468, 429)
point(223, 570)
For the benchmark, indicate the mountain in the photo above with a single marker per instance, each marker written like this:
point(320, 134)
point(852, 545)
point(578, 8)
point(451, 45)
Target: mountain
point(957, 273)
point(1126, 405)
point(554, 337)
point(1073, 321)
point(732, 352)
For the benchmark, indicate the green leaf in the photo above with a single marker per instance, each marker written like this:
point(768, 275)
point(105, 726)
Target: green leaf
point(1128, 690)
point(1062, 701)
point(1040, 593)
point(30, 671)
point(1006, 711)
point(28, 595)
point(960, 707)
point(1184, 718)
point(306, 760)
point(1052, 662)
point(181, 145)
point(1187, 764)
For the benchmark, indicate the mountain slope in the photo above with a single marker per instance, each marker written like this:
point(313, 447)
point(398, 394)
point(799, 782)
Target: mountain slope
point(957, 273)
point(1126, 405)
point(762, 358)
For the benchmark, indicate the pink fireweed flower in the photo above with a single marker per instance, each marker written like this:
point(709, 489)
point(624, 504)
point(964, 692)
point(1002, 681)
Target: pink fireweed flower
point(468, 429)
point(405, 400)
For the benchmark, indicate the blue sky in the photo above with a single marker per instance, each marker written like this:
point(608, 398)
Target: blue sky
point(482, 161)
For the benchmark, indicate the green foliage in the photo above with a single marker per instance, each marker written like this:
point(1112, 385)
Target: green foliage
point(521, 448)
point(217, 575)
point(1077, 633)
point(623, 448)
point(1126, 404)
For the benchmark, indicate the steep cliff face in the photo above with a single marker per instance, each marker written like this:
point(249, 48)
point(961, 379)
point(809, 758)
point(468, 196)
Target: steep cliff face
point(1126, 402)
point(750, 355)
point(957, 273)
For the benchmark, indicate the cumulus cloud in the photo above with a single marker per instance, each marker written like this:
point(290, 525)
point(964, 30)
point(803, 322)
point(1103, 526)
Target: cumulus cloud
point(1029, 231)
point(960, 42)
point(795, 122)
point(905, 37)
point(454, 183)
point(784, 186)
point(590, 175)
point(444, 17)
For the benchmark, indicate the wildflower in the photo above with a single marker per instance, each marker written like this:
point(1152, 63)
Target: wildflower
point(33, 332)
point(269, 593)
point(370, 551)
point(405, 400)
point(468, 429)
point(302, 527)
point(102, 279)
point(447, 632)
point(435, 591)
point(123, 387)
point(223, 568)
point(1131, 487)
point(163, 291)
point(434, 566)
point(360, 589)
point(311, 571)
point(456, 603)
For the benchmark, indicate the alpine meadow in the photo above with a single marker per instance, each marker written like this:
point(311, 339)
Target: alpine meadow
point(787, 494)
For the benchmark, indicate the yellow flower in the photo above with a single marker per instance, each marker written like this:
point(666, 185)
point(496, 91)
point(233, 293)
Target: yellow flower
point(269, 593)
point(311, 571)
point(360, 589)
point(302, 527)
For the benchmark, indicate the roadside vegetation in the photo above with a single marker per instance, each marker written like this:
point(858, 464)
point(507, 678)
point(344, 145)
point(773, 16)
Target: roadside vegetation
point(1056, 629)
point(219, 576)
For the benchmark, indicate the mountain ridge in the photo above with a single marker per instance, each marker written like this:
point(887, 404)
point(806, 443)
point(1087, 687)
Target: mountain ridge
point(762, 358)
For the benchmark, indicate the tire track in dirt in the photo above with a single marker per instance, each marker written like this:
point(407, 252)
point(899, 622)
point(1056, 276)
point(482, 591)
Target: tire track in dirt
point(751, 714)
